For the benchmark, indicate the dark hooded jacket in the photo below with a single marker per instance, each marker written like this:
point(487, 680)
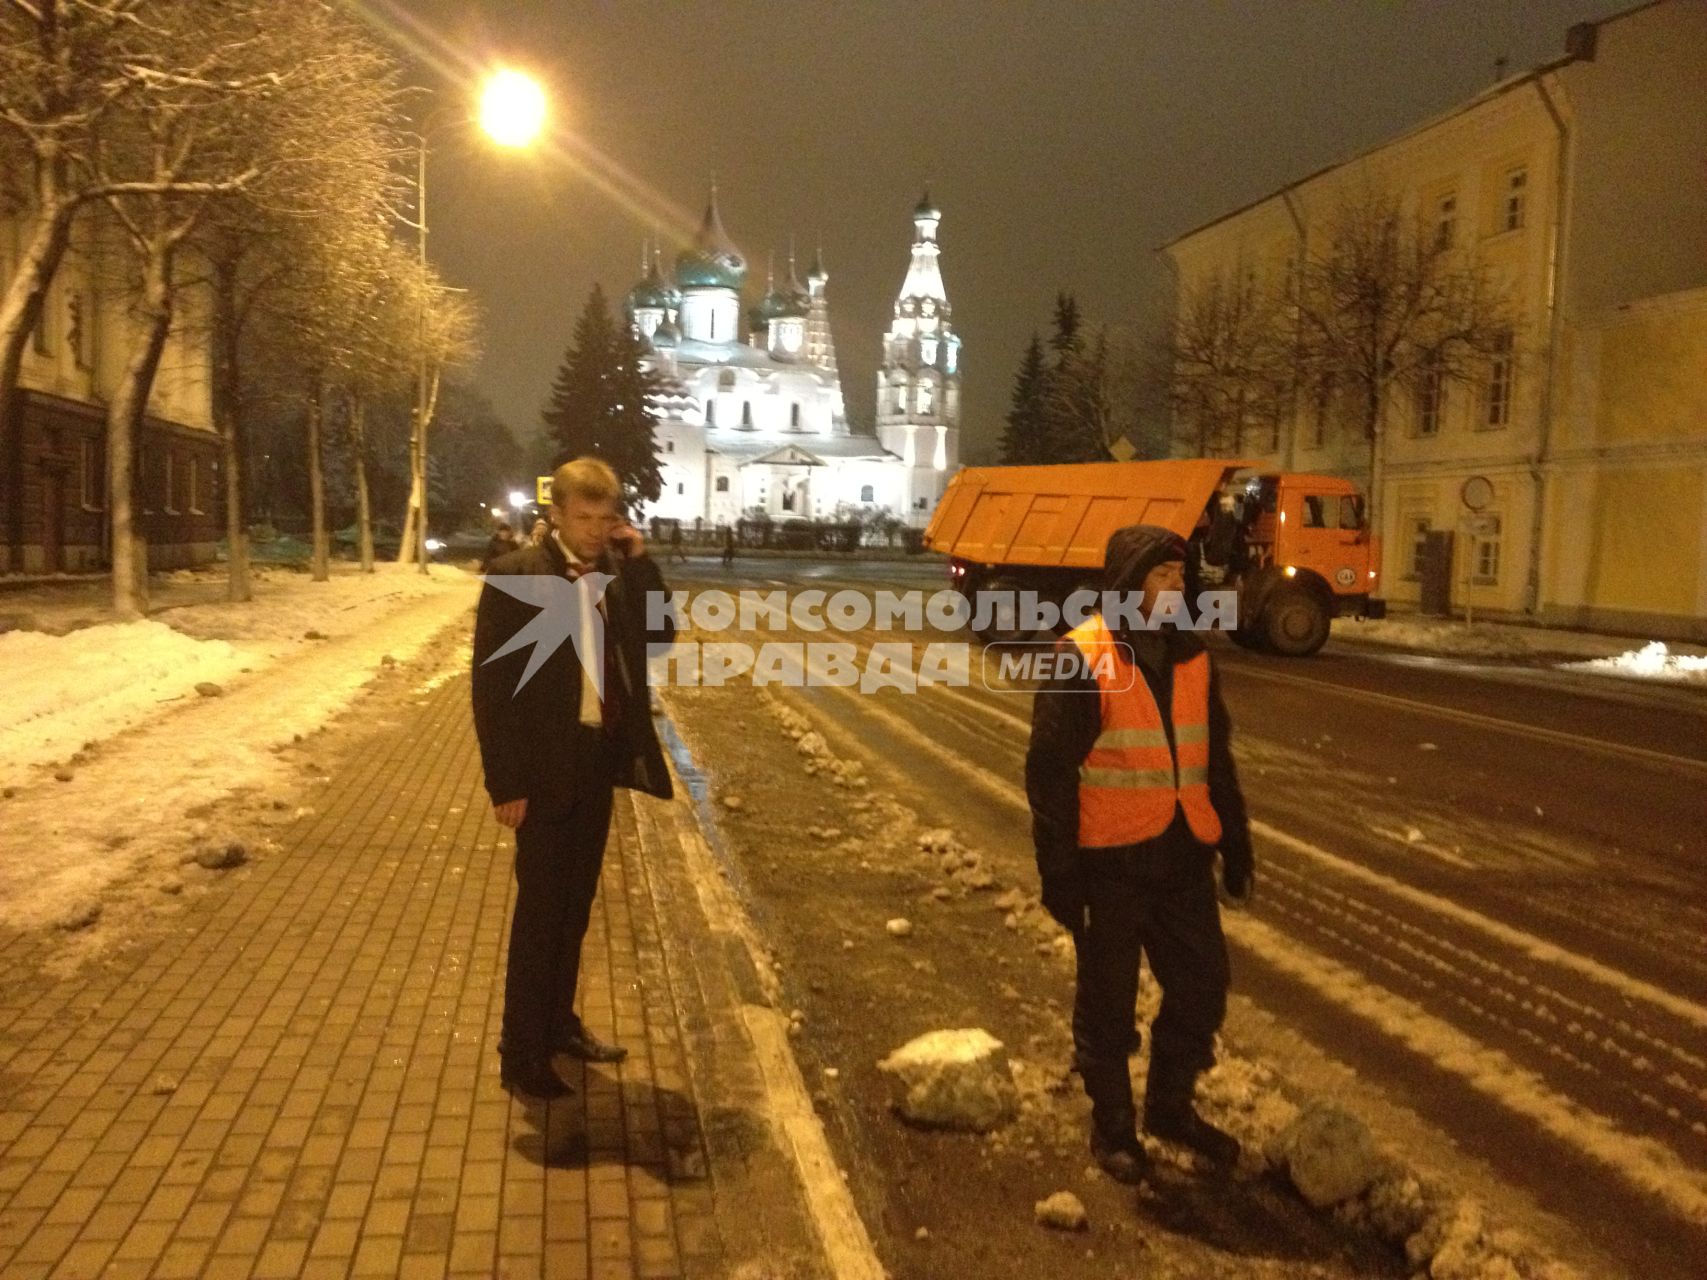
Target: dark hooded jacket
point(532, 743)
point(1067, 717)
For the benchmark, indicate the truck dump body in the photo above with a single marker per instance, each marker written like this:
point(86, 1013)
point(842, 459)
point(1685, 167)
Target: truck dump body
point(1061, 516)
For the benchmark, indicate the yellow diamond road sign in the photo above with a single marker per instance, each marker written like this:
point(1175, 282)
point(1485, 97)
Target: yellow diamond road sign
point(1121, 450)
point(542, 490)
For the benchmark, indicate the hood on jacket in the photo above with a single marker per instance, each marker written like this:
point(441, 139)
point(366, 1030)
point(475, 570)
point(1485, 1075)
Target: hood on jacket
point(1134, 551)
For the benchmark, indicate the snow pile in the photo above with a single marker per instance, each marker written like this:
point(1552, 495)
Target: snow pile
point(128, 816)
point(1483, 639)
point(1652, 661)
point(952, 1079)
point(1328, 1153)
point(57, 692)
point(964, 867)
point(820, 761)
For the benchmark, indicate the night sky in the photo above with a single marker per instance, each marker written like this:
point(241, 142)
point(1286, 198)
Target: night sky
point(1063, 142)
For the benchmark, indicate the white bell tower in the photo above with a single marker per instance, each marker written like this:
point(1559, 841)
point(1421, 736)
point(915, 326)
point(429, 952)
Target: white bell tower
point(918, 384)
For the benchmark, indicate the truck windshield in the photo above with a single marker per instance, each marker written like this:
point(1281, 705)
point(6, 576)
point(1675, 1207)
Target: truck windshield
point(1351, 512)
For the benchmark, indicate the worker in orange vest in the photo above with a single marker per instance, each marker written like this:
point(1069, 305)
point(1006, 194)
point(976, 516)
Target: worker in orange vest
point(1132, 788)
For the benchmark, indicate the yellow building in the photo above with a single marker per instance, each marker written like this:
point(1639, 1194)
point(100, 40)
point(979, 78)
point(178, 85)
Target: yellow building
point(1580, 186)
point(53, 469)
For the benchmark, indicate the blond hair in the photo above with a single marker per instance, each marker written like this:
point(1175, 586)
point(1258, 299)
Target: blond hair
point(589, 478)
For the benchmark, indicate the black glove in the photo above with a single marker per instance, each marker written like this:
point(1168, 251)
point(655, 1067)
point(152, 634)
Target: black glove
point(1066, 902)
point(1238, 873)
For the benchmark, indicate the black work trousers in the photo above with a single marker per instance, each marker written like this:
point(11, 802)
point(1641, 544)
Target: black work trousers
point(1157, 901)
point(558, 859)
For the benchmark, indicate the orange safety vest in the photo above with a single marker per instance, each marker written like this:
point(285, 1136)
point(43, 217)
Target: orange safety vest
point(1130, 782)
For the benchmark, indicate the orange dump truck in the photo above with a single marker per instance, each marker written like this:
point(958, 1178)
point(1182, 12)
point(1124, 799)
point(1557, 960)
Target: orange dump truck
point(1296, 548)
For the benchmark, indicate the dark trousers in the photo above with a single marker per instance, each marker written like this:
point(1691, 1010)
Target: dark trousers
point(1155, 900)
point(558, 859)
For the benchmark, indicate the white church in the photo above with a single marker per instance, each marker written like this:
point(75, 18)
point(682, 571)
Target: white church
point(755, 418)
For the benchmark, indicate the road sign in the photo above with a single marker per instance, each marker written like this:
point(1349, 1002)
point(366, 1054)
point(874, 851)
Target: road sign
point(542, 490)
point(1121, 450)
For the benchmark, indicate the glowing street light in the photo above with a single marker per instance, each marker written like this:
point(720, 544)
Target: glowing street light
point(512, 108)
point(518, 499)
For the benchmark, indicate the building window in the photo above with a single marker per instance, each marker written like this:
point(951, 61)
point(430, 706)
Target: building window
point(927, 350)
point(1315, 512)
point(794, 415)
point(1516, 185)
point(726, 380)
point(81, 333)
point(1430, 394)
point(193, 486)
point(927, 397)
point(1419, 526)
point(171, 484)
point(145, 479)
point(1485, 569)
point(953, 354)
point(669, 446)
point(867, 493)
point(900, 399)
point(1497, 400)
point(680, 487)
point(1320, 410)
point(919, 504)
point(723, 484)
point(41, 339)
point(1446, 221)
point(91, 479)
point(746, 413)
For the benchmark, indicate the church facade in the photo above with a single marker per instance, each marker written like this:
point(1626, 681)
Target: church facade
point(754, 419)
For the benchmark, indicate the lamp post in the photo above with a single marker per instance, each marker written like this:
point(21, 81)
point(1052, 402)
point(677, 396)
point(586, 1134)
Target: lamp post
point(512, 114)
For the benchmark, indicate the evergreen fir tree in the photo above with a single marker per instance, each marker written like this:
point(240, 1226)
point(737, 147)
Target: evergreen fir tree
point(1023, 441)
point(604, 401)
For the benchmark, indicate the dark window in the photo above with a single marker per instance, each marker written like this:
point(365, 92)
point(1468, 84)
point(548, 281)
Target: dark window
point(1314, 513)
point(867, 493)
point(680, 487)
point(794, 414)
point(746, 413)
point(723, 484)
point(1351, 512)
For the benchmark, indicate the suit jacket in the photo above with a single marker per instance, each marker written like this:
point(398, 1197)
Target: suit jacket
point(532, 743)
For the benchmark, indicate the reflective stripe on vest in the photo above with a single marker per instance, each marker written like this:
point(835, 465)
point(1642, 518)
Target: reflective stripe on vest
point(1130, 783)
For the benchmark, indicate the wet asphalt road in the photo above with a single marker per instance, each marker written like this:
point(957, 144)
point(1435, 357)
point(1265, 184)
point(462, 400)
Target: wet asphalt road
point(1483, 887)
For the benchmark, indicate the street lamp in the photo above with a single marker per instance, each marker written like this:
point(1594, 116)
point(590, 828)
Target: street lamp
point(512, 114)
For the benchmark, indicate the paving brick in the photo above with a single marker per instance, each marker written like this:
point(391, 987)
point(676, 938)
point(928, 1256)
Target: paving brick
point(328, 1024)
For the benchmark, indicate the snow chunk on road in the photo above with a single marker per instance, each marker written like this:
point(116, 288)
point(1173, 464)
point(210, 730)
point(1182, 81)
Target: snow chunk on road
point(1328, 1153)
point(1062, 1211)
point(953, 1079)
point(1652, 661)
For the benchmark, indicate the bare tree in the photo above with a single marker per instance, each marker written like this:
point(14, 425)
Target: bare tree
point(1228, 362)
point(447, 328)
point(1388, 302)
point(332, 180)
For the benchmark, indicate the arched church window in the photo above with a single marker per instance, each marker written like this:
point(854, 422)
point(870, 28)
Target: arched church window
point(726, 380)
point(794, 415)
point(900, 399)
point(746, 413)
point(711, 412)
point(867, 493)
point(927, 350)
point(927, 397)
point(723, 484)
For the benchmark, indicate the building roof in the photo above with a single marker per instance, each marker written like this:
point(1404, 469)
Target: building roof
point(1509, 85)
point(749, 447)
point(712, 261)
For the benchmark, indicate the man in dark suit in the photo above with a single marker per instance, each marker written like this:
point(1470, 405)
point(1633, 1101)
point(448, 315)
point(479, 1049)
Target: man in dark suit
point(556, 741)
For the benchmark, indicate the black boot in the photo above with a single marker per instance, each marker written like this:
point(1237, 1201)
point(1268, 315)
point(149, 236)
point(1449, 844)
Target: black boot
point(1169, 1115)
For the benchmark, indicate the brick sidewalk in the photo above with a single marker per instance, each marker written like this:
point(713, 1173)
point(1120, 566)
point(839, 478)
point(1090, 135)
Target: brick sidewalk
point(298, 1079)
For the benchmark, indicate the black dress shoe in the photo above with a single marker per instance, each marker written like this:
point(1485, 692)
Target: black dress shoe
point(583, 1044)
point(536, 1079)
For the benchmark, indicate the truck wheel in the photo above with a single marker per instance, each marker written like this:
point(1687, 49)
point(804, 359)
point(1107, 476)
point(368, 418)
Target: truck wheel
point(1295, 623)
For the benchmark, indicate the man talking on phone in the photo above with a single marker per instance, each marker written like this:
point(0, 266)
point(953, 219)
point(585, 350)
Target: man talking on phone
point(555, 744)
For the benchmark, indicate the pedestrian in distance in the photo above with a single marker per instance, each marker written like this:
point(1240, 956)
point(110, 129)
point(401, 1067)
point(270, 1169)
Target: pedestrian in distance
point(728, 547)
point(1133, 791)
point(502, 542)
point(541, 531)
point(554, 747)
point(678, 553)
